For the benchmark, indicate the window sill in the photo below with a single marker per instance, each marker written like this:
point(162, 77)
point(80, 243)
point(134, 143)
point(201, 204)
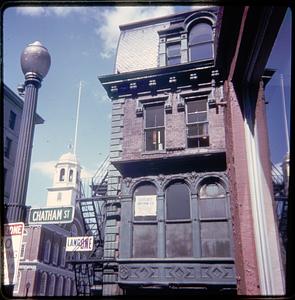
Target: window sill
point(153, 152)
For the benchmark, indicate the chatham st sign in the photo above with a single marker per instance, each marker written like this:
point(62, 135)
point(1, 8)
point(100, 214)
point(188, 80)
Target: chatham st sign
point(52, 215)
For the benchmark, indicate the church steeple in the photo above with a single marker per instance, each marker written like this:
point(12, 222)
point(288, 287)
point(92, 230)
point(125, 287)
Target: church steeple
point(66, 181)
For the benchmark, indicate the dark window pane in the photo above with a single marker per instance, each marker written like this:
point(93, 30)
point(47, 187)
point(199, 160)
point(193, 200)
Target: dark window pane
point(179, 240)
point(154, 139)
point(197, 130)
point(200, 33)
point(171, 61)
point(198, 142)
point(196, 106)
point(213, 208)
point(197, 117)
point(7, 147)
point(215, 239)
point(12, 119)
point(173, 50)
point(145, 240)
point(177, 201)
point(154, 116)
point(201, 51)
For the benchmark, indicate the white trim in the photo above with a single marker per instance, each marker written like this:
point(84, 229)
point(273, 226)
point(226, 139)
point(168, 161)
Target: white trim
point(268, 256)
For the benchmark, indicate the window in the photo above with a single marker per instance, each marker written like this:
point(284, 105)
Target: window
point(173, 54)
point(42, 288)
point(214, 223)
point(59, 196)
point(201, 42)
point(71, 175)
point(51, 289)
point(55, 253)
point(22, 251)
point(67, 288)
point(178, 221)
point(47, 251)
point(62, 175)
point(7, 147)
point(12, 119)
point(154, 127)
point(197, 124)
point(144, 221)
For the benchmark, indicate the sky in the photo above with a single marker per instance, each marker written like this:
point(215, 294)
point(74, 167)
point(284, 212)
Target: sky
point(82, 42)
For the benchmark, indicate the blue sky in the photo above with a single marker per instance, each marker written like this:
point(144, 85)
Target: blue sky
point(82, 43)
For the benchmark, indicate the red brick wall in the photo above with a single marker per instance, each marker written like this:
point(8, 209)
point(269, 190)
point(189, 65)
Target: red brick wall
point(175, 132)
point(244, 243)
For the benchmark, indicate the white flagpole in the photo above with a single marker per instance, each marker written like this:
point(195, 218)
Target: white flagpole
point(285, 113)
point(77, 118)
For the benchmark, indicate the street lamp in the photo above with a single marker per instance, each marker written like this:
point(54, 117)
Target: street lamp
point(35, 63)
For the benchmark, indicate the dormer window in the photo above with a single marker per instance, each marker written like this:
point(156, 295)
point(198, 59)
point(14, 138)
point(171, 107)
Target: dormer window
point(62, 175)
point(200, 42)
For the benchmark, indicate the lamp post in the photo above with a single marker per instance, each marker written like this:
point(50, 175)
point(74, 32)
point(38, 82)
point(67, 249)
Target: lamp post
point(35, 63)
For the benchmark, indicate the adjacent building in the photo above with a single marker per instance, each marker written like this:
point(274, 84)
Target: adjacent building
point(13, 106)
point(190, 206)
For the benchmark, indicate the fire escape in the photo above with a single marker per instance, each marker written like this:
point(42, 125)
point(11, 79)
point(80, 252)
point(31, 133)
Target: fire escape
point(92, 204)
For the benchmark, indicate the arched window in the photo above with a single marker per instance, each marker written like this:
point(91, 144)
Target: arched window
point(71, 174)
point(60, 284)
point(43, 282)
point(178, 220)
point(55, 253)
point(47, 251)
point(62, 175)
point(51, 289)
point(200, 42)
point(214, 219)
point(145, 221)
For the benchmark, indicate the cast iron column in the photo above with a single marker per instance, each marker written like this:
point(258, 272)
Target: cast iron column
point(35, 63)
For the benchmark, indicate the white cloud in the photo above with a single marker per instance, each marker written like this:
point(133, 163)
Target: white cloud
point(59, 11)
point(111, 18)
point(45, 167)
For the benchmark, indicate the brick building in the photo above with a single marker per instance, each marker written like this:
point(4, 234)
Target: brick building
point(190, 206)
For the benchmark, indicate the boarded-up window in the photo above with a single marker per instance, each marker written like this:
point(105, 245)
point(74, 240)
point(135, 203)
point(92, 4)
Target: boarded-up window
point(144, 240)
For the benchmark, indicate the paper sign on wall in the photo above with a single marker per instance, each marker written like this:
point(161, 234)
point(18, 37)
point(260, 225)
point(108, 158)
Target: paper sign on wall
point(145, 205)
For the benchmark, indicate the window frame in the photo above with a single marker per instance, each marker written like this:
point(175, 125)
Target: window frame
point(62, 174)
point(146, 129)
point(42, 292)
point(12, 120)
point(55, 253)
point(47, 251)
point(191, 124)
point(172, 43)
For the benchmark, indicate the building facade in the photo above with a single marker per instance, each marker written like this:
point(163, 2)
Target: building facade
point(13, 106)
point(190, 175)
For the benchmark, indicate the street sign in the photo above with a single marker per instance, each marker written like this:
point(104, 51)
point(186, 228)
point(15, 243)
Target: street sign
point(13, 236)
point(52, 215)
point(79, 243)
